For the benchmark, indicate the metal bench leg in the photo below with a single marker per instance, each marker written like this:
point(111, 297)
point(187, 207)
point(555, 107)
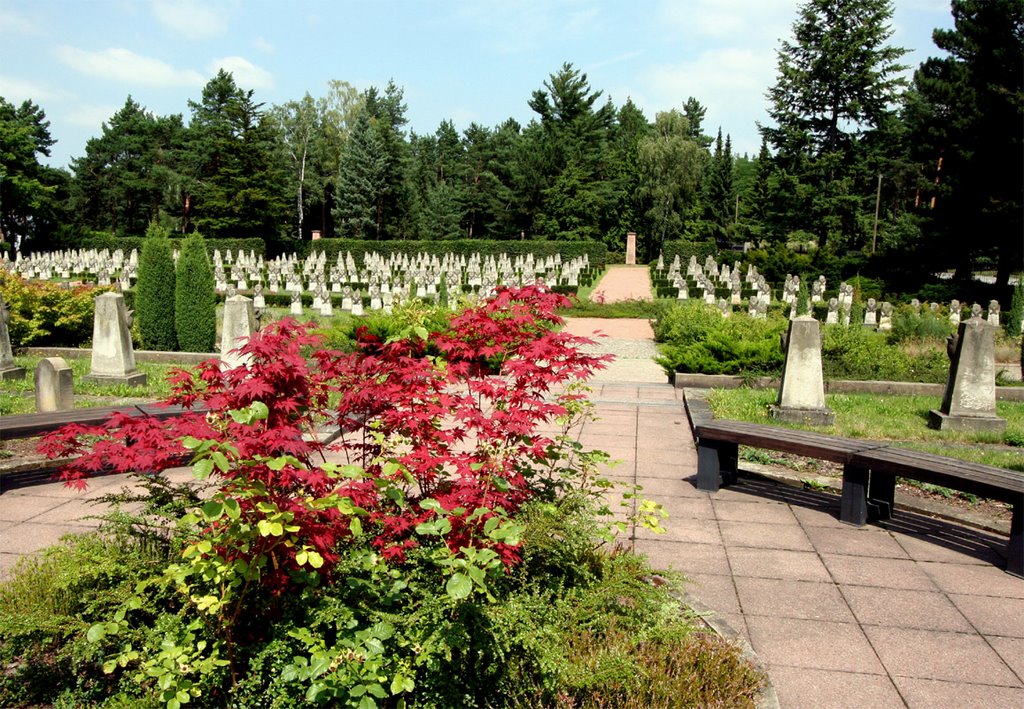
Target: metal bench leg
point(1015, 559)
point(854, 506)
point(713, 462)
point(881, 495)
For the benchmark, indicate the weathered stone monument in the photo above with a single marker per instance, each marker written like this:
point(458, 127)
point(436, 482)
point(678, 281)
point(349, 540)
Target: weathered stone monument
point(238, 324)
point(969, 403)
point(54, 385)
point(802, 390)
point(113, 359)
point(631, 249)
point(8, 370)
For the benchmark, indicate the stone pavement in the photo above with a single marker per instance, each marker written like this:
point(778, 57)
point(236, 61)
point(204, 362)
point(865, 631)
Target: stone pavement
point(623, 283)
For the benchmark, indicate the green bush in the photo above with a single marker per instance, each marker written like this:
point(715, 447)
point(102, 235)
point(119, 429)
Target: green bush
point(154, 292)
point(1015, 315)
point(696, 338)
point(907, 324)
point(859, 353)
point(195, 298)
point(46, 314)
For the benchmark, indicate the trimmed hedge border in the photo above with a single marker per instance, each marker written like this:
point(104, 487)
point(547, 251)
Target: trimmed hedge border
point(595, 251)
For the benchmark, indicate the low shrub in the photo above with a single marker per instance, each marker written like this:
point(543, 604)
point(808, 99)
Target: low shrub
point(696, 338)
point(44, 314)
point(856, 352)
point(908, 324)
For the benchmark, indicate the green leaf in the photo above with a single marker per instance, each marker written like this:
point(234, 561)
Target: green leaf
point(232, 508)
point(173, 704)
point(259, 410)
point(459, 586)
point(430, 504)
point(401, 683)
point(355, 526)
point(220, 460)
point(201, 469)
point(212, 510)
point(96, 632)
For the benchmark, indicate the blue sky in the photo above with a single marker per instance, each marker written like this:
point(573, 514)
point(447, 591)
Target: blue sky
point(462, 60)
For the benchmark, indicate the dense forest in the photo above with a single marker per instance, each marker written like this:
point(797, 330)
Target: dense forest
point(921, 174)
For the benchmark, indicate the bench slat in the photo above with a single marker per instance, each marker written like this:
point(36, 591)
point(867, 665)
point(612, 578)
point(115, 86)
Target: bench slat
point(28, 425)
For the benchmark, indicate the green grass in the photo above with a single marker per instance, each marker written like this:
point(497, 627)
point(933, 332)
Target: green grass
point(16, 395)
point(643, 309)
point(891, 418)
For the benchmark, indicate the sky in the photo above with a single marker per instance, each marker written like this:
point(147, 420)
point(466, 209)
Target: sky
point(461, 60)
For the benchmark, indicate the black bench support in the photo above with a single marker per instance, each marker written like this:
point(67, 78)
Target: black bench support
point(853, 507)
point(717, 462)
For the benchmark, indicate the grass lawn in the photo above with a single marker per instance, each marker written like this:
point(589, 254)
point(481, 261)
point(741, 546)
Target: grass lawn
point(891, 418)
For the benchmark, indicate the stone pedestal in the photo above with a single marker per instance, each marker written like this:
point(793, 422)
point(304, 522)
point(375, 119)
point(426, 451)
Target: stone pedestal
point(802, 390)
point(969, 403)
point(239, 323)
point(8, 370)
point(113, 359)
point(54, 385)
point(631, 249)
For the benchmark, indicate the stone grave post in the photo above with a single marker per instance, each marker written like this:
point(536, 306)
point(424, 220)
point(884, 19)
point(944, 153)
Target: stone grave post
point(54, 385)
point(113, 359)
point(954, 312)
point(631, 248)
point(8, 370)
point(870, 316)
point(993, 312)
point(969, 403)
point(833, 312)
point(885, 320)
point(238, 324)
point(802, 389)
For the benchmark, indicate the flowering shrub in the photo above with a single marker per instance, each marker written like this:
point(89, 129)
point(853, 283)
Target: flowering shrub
point(440, 447)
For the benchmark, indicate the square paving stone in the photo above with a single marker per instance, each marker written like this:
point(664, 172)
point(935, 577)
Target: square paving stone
point(812, 644)
point(680, 529)
point(24, 507)
point(932, 654)
point(27, 537)
point(937, 694)
point(716, 592)
point(802, 688)
point(760, 512)
point(765, 536)
point(901, 608)
point(1012, 652)
point(687, 558)
point(777, 564)
point(971, 579)
point(993, 616)
point(781, 598)
point(855, 541)
point(949, 550)
point(681, 508)
point(883, 573)
point(658, 488)
point(818, 516)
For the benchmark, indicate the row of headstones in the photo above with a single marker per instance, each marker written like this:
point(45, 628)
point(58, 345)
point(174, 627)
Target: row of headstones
point(875, 315)
point(968, 403)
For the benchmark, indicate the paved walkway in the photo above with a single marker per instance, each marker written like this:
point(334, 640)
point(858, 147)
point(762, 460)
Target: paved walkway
point(623, 283)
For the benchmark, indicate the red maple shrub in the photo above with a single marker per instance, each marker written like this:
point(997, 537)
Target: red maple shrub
point(444, 445)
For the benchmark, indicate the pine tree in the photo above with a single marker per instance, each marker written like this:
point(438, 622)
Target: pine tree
point(154, 291)
point(194, 298)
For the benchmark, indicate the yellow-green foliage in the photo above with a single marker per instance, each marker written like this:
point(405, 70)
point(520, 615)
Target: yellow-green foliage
point(45, 314)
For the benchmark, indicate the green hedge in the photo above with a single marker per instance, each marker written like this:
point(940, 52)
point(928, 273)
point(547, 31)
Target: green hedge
point(686, 249)
point(127, 243)
point(596, 251)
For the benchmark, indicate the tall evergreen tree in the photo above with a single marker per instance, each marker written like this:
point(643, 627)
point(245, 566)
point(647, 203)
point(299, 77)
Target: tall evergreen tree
point(718, 195)
point(965, 115)
point(27, 188)
point(195, 301)
point(238, 186)
point(121, 182)
point(838, 79)
point(155, 291)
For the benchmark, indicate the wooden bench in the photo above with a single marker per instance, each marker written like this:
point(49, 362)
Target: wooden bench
point(28, 425)
point(870, 469)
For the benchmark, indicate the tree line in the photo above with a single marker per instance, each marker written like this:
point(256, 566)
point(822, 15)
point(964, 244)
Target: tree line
point(926, 172)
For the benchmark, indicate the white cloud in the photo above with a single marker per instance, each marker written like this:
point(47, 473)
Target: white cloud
point(126, 66)
point(18, 90)
point(247, 75)
point(91, 115)
point(192, 19)
point(746, 22)
point(14, 24)
point(264, 45)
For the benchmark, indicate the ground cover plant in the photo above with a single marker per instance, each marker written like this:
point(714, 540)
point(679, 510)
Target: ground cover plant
point(447, 550)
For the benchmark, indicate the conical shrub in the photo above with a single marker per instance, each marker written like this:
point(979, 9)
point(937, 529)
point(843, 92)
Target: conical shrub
point(195, 299)
point(154, 291)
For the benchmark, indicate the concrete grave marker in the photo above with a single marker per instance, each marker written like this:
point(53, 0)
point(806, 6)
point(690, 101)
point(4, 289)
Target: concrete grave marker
point(8, 370)
point(802, 390)
point(54, 385)
point(969, 403)
point(238, 324)
point(113, 359)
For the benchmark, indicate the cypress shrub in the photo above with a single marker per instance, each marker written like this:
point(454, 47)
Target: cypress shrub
point(154, 291)
point(195, 299)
